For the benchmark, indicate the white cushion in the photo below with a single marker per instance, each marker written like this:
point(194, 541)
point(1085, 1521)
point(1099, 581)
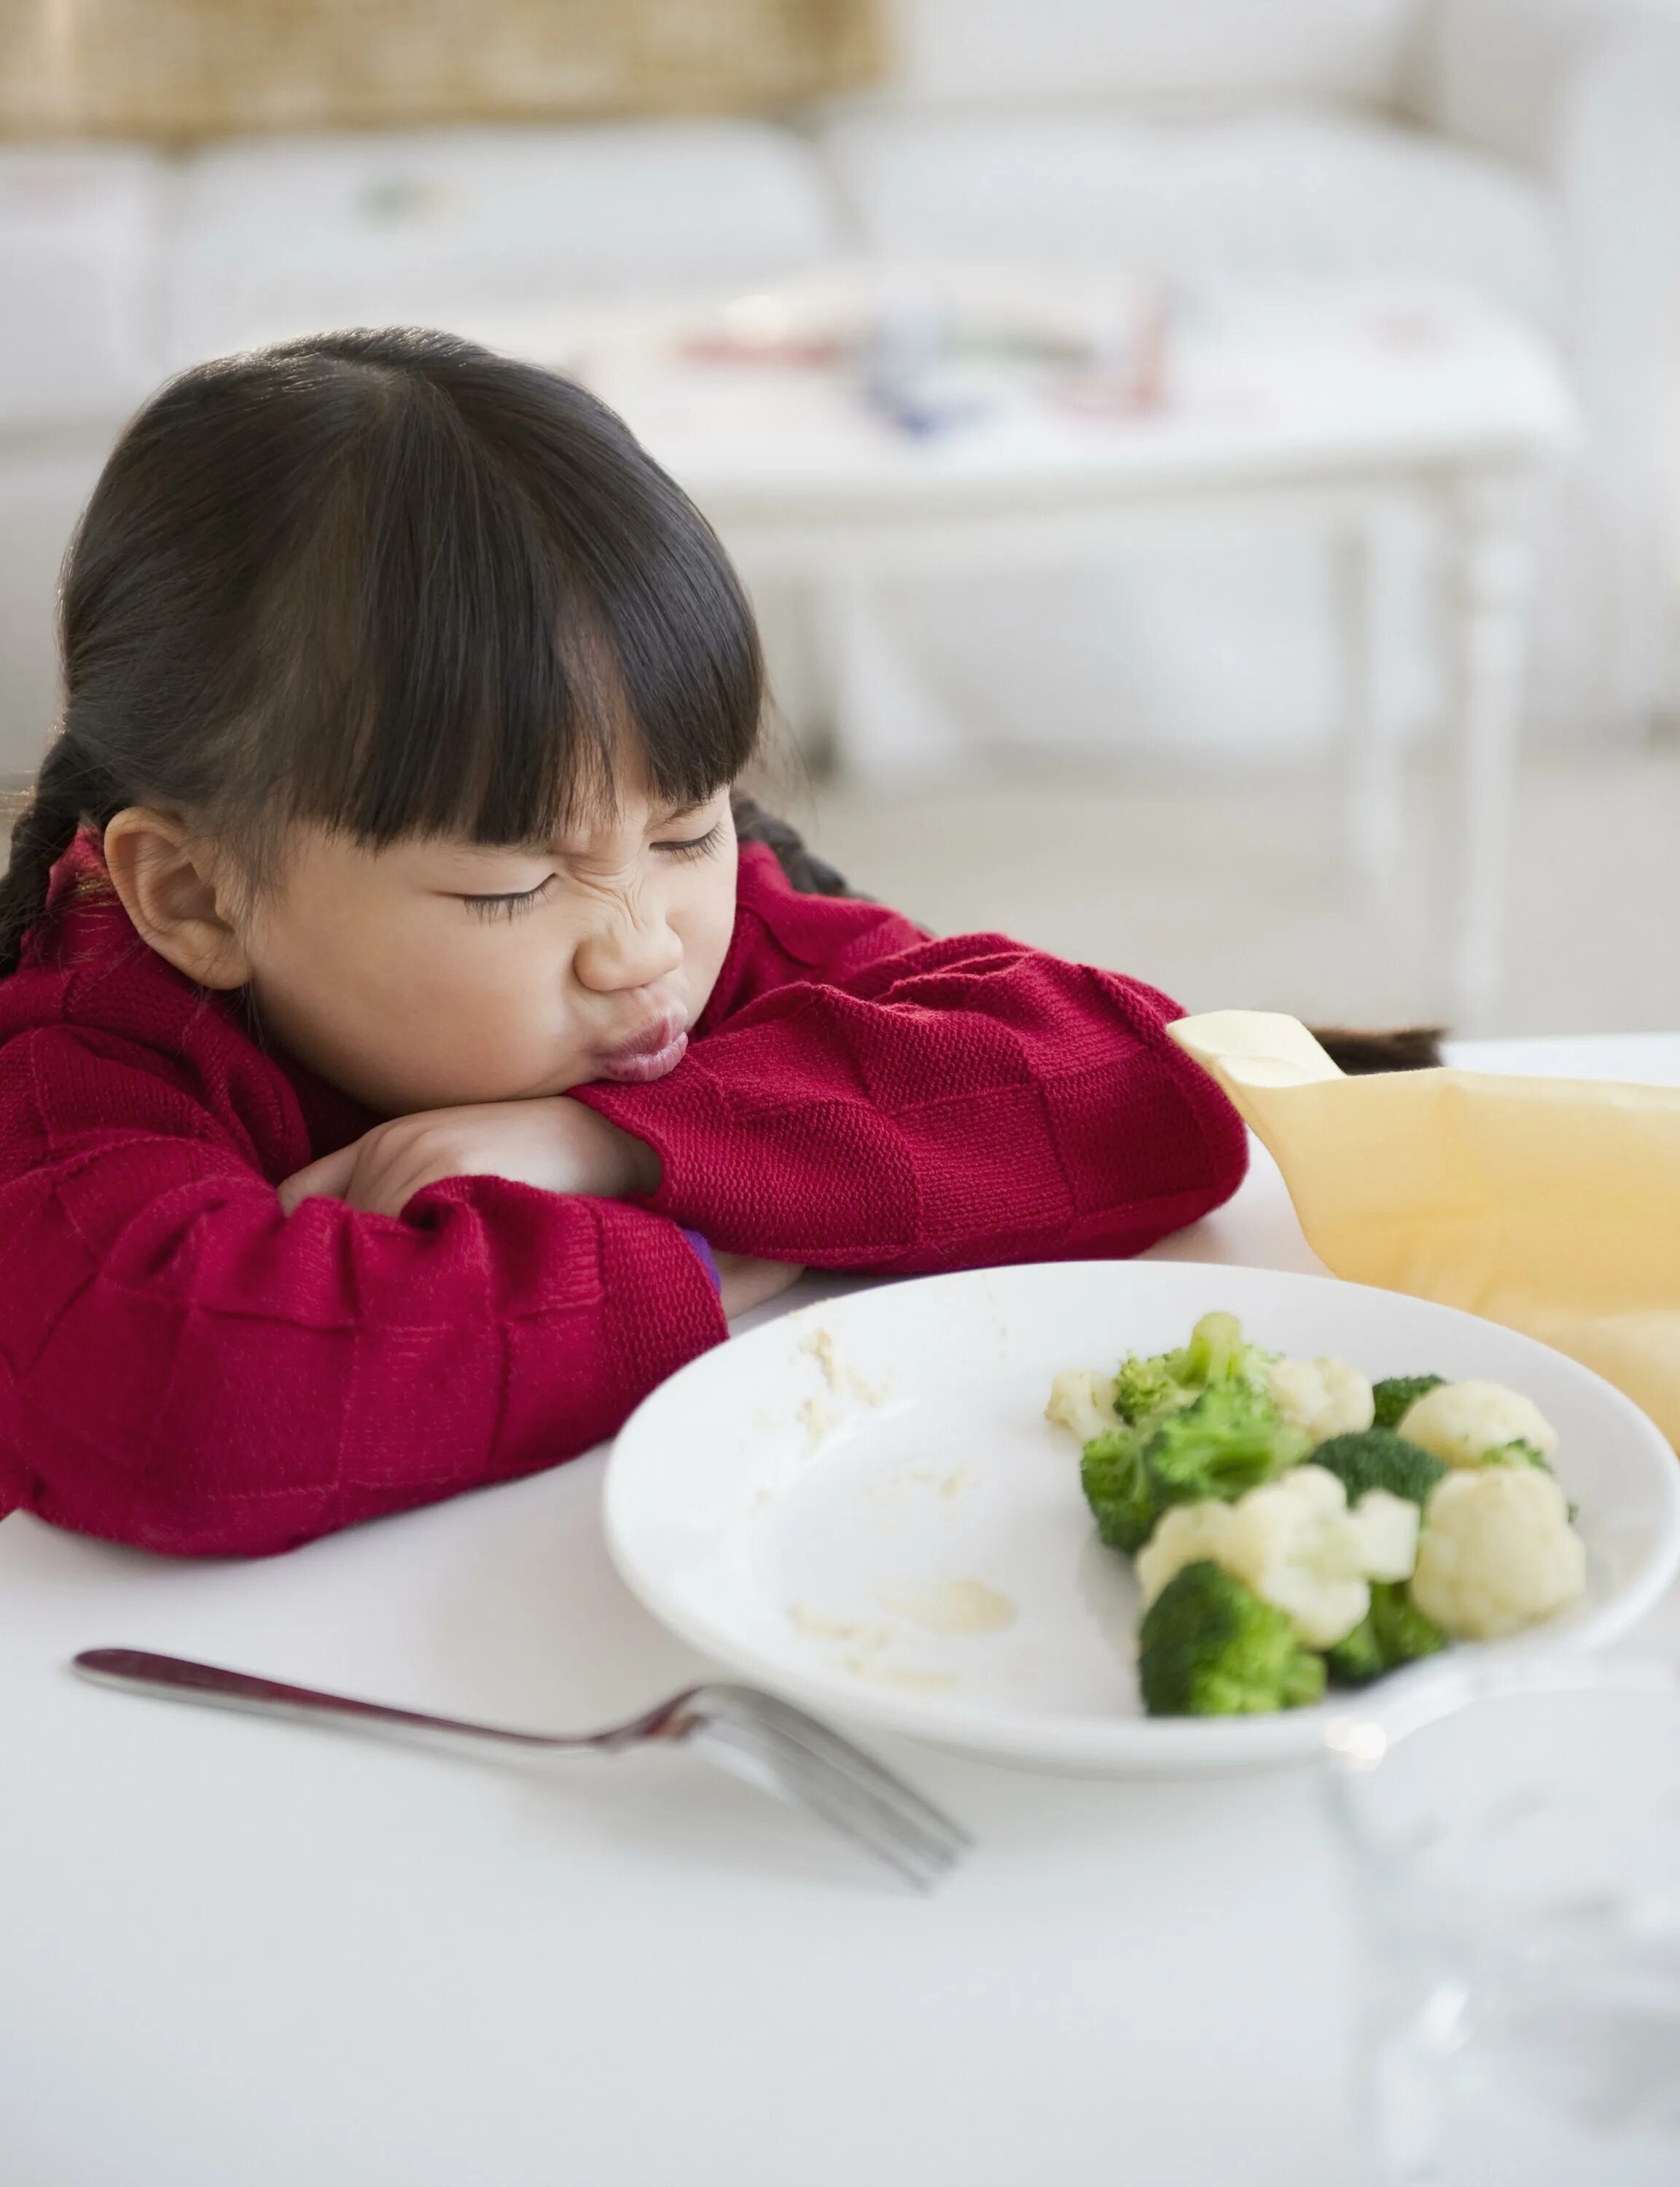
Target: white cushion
point(78, 272)
point(298, 235)
point(1181, 50)
point(1284, 194)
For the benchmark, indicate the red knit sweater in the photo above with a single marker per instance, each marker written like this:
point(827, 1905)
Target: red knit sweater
point(183, 1366)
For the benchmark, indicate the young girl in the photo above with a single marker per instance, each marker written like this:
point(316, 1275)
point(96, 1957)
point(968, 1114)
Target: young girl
point(401, 1070)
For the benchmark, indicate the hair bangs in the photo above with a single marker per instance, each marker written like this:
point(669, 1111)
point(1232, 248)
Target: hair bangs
point(502, 610)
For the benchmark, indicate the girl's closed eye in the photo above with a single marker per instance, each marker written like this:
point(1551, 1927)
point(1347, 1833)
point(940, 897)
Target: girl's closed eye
point(508, 906)
point(695, 846)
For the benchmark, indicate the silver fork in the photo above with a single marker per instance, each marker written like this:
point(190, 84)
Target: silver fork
point(750, 1733)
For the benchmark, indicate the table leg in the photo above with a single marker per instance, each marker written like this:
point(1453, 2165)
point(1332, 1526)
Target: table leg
point(1367, 820)
point(888, 727)
point(1490, 570)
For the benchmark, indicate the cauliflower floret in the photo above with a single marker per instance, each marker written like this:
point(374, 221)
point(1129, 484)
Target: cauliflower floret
point(1295, 1543)
point(1497, 1552)
point(1461, 1421)
point(1385, 1531)
point(1184, 1535)
point(1324, 1396)
point(1083, 1402)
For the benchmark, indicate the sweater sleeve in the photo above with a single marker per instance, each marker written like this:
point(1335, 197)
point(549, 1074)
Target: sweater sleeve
point(867, 1098)
point(186, 1368)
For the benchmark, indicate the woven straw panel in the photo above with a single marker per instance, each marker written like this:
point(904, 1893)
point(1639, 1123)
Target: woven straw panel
point(179, 69)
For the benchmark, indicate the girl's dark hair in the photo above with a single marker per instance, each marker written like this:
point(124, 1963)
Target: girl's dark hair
point(388, 582)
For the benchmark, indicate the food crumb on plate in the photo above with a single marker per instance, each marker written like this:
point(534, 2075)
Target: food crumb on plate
point(900, 1674)
point(841, 1381)
point(952, 1605)
point(811, 1625)
point(817, 1416)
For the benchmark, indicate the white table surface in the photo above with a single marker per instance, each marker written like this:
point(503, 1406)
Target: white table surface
point(237, 1955)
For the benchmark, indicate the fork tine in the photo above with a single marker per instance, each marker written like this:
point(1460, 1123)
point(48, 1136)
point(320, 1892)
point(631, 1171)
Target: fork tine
point(775, 1765)
point(863, 1809)
point(863, 1779)
point(852, 1759)
point(869, 1800)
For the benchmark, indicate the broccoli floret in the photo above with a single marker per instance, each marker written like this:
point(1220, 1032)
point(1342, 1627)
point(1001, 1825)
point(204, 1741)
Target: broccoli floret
point(1144, 1387)
point(1227, 1440)
point(1394, 1631)
point(1377, 1458)
point(1208, 1646)
point(1517, 1453)
point(1394, 1396)
point(1216, 1354)
point(1117, 1488)
point(1200, 1423)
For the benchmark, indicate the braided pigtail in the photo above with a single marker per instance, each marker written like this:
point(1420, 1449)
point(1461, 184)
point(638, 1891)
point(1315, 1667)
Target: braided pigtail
point(43, 831)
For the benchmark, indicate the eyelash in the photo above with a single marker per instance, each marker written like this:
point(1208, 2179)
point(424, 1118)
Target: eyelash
point(510, 906)
point(697, 847)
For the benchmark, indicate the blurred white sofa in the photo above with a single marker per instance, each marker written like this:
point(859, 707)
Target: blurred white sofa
point(1529, 149)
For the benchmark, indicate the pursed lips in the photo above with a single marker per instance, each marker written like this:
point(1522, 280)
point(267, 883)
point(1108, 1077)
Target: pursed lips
point(654, 1053)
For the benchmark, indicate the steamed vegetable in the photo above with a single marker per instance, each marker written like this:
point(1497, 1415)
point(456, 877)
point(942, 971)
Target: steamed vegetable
point(1393, 1632)
point(1496, 1553)
point(1082, 1402)
point(1291, 1520)
point(1217, 1353)
point(1297, 1543)
point(1323, 1397)
point(1462, 1422)
point(1145, 1387)
point(1208, 1646)
point(1224, 1440)
point(1391, 1399)
point(1379, 1459)
point(1117, 1488)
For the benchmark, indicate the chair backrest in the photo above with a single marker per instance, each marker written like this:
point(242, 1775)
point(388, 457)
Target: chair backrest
point(1150, 51)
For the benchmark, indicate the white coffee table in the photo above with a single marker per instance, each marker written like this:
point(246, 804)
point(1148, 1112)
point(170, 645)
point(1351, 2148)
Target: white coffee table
point(1328, 408)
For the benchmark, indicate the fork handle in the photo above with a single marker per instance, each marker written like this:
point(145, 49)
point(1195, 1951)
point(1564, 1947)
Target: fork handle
point(174, 1678)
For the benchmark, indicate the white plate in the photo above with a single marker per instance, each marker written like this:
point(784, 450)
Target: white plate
point(863, 1507)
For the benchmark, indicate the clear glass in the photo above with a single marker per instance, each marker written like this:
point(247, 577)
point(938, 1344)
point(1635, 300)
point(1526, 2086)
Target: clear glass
point(1515, 1834)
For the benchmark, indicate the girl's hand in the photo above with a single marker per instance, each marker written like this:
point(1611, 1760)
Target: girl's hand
point(554, 1144)
point(745, 1282)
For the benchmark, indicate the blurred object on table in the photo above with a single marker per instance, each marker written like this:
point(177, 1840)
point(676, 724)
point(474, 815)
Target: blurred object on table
point(924, 348)
point(1550, 1206)
point(172, 70)
point(1512, 1829)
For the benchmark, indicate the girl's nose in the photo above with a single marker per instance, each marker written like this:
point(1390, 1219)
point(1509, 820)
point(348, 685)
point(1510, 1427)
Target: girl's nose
point(625, 951)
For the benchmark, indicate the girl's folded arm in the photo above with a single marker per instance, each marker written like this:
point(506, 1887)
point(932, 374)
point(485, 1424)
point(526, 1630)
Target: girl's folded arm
point(186, 1368)
point(941, 1105)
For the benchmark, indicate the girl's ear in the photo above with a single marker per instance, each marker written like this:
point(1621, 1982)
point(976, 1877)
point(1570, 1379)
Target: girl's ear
point(179, 898)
